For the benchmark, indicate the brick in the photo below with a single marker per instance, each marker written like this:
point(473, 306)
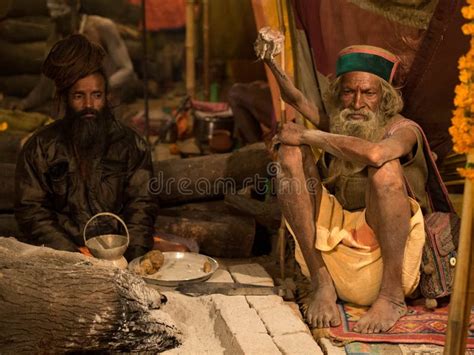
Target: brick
point(257, 344)
point(296, 344)
point(281, 320)
point(251, 274)
point(237, 314)
point(263, 302)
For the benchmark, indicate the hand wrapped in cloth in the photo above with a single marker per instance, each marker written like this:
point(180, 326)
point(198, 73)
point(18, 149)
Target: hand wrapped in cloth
point(269, 43)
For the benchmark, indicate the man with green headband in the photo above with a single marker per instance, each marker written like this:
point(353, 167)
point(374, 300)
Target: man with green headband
point(351, 210)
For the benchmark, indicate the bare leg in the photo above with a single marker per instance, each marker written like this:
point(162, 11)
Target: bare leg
point(388, 214)
point(300, 207)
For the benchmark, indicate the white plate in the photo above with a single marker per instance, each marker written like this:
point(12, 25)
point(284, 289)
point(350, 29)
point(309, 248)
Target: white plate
point(179, 267)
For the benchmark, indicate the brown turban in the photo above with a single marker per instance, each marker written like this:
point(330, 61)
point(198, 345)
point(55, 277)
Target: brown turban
point(71, 59)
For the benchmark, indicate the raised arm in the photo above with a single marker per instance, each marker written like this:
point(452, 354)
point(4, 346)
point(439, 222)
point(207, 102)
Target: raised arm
point(267, 45)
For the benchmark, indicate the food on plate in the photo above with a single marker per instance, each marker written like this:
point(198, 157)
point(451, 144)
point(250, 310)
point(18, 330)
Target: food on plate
point(151, 262)
point(207, 267)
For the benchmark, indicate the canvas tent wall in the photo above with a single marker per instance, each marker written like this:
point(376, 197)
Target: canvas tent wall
point(425, 34)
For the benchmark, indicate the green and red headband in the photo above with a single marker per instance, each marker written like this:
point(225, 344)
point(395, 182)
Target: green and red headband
point(368, 59)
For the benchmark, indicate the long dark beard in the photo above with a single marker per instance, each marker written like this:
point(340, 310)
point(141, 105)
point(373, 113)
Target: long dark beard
point(88, 136)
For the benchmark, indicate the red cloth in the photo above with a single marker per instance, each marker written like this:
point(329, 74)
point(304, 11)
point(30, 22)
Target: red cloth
point(163, 14)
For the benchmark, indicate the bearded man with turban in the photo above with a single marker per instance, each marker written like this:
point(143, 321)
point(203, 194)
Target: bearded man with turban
point(359, 236)
point(85, 163)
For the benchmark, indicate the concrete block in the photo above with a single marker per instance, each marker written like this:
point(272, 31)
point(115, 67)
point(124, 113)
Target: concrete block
point(237, 314)
point(251, 274)
point(297, 344)
point(256, 344)
point(263, 302)
point(221, 276)
point(281, 320)
point(296, 310)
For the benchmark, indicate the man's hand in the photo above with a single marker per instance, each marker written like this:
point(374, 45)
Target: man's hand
point(268, 44)
point(291, 134)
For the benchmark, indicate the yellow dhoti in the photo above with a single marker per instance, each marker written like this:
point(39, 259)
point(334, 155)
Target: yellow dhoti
point(352, 255)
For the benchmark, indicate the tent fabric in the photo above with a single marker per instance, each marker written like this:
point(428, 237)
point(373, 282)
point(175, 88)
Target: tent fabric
point(163, 14)
point(428, 57)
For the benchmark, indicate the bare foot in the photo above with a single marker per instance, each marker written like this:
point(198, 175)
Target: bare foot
point(383, 314)
point(322, 309)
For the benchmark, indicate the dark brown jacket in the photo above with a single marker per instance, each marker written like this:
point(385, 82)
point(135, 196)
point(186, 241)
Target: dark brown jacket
point(53, 202)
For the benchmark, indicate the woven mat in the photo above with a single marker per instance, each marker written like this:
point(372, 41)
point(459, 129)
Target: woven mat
point(418, 326)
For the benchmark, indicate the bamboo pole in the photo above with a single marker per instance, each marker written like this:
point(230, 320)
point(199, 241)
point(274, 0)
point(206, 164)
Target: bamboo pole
point(190, 49)
point(282, 229)
point(205, 44)
point(462, 295)
point(145, 72)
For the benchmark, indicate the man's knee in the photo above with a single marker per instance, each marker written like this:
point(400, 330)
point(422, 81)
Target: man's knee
point(290, 157)
point(387, 179)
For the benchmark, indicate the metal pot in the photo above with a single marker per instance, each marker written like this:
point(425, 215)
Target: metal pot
point(204, 126)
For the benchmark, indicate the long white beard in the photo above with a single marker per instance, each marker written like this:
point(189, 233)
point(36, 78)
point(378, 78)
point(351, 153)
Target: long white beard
point(370, 129)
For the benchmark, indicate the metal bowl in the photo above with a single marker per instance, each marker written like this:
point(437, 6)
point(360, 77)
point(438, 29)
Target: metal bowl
point(205, 126)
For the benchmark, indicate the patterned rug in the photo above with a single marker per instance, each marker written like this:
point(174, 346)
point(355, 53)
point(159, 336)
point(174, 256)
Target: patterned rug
point(418, 326)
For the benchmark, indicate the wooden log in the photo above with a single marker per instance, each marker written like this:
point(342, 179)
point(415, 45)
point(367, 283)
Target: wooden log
point(267, 213)
point(18, 85)
point(8, 226)
point(57, 302)
point(16, 8)
point(21, 58)
point(26, 29)
point(209, 177)
point(181, 181)
point(7, 186)
point(217, 232)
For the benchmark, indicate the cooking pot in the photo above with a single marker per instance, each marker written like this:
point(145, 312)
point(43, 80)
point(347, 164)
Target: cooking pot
point(205, 126)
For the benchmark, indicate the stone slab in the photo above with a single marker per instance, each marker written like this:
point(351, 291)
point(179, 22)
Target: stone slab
point(251, 274)
point(221, 276)
point(257, 344)
point(263, 302)
point(237, 314)
point(281, 320)
point(296, 344)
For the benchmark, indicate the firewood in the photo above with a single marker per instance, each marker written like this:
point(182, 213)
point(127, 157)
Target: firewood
point(18, 85)
point(181, 181)
point(7, 186)
point(209, 177)
point(26, 29)
point(16, 8)
point(57, 302)
point(21, 58)
point(267, 213)
point(217, 233)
